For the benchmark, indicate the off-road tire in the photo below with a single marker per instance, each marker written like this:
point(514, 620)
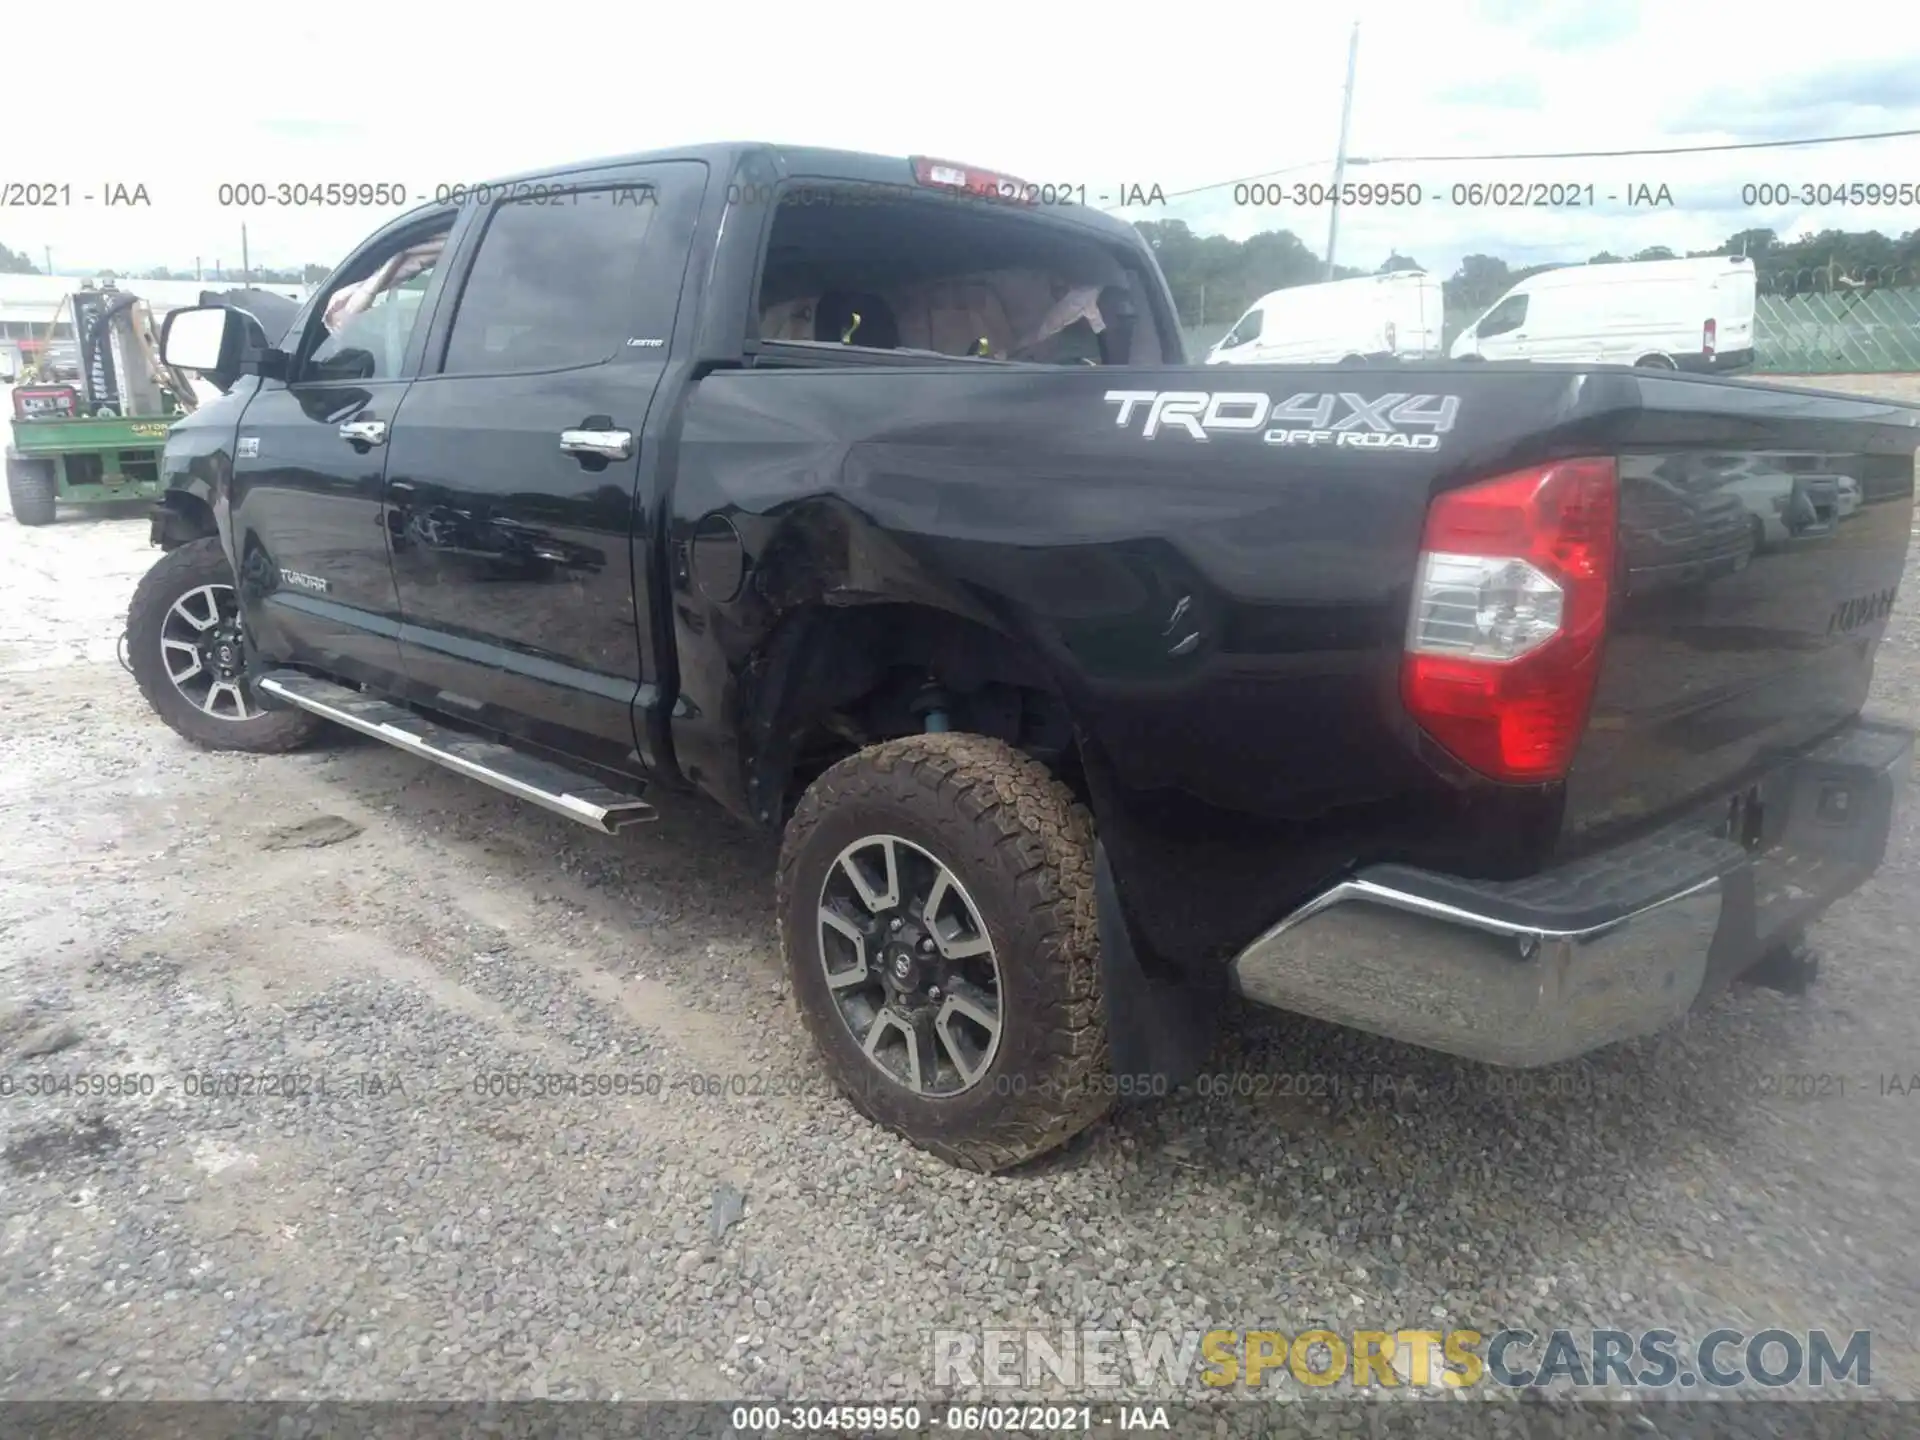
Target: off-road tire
point(201, 562)
point(32, 490)
point(1023, 847)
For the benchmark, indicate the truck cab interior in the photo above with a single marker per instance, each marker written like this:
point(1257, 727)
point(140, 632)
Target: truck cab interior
point(953, 278)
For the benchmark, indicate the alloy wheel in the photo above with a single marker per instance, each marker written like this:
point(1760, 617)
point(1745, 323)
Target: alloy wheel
point(910, 966)
point(204, 653)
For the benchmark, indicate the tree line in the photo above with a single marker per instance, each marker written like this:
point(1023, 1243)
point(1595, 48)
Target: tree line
point(15, 262)
point(1214, 279)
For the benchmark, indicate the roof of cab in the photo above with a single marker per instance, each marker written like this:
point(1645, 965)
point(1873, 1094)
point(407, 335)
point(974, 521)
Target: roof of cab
point(800, 161)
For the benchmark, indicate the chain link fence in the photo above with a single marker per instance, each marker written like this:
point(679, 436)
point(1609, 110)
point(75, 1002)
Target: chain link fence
point(1835, 322)
point(1826, 321)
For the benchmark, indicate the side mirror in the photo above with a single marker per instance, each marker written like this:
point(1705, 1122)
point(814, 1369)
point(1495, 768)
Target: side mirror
point(205, 339)
point(221, 343)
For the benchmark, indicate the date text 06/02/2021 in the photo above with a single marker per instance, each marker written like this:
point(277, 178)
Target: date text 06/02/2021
point(394, 194)
point(1462, 194)
point(275, 1085)
point(961, 1419)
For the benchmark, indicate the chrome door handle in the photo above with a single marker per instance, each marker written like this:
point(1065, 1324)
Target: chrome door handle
point(607, 444)
point(364, 432)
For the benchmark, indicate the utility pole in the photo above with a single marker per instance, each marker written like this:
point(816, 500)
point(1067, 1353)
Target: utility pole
point(246, 267)
point(1340, 158)
point(47, 251)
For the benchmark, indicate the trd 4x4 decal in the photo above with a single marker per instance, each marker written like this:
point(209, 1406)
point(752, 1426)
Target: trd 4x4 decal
point(1384, 422)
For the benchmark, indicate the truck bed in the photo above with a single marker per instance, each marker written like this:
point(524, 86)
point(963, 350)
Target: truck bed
point(1227, 613)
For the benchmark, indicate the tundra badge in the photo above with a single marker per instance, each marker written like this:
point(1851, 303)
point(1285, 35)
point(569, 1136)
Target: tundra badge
point(1862, 610)
point(1392, 421)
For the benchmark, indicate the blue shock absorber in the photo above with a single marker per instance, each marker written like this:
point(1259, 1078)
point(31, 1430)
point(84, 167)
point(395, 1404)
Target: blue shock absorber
point(931, 704)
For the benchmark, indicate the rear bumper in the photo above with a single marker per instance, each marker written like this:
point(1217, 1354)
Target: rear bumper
point(1613, 946)
point(1721, 362)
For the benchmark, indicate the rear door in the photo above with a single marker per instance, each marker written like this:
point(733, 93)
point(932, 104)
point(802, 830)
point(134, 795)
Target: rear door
point(512, 465)
point(304, 523)
point(1433, 315)
point(1734, 292)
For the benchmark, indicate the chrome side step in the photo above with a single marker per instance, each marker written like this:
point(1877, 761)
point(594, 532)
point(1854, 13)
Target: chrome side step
point(545, 783)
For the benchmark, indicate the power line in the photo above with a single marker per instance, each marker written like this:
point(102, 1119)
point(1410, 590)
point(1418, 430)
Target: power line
point(1613, 154)
point(1545, 155)
point(1243, 180)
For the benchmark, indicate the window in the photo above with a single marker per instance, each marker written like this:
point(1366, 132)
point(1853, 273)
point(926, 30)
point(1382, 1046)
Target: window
point(1509, 314)
point(1246, 331)
point(367, 319)
point(944, 277)
point(553, 284)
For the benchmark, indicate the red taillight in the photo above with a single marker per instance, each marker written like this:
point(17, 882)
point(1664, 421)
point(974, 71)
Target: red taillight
point(972, 180)
point(1509, 612)
point(1708, 336)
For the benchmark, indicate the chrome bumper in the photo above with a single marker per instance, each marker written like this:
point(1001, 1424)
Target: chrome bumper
point(1611, 947)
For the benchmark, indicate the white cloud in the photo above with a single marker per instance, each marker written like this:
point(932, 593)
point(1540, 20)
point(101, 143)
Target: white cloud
point(441, 93)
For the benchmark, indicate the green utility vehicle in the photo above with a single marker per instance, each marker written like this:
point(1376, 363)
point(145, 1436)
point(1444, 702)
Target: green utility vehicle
point(97, 437)
point(80, 459)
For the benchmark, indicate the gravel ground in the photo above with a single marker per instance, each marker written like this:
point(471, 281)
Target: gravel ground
point(386, 933)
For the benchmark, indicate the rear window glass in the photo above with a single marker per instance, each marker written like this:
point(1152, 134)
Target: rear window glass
point(953, 277)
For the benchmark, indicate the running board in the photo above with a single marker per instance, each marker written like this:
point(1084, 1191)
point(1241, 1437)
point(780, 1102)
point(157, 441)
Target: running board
point(552, 786)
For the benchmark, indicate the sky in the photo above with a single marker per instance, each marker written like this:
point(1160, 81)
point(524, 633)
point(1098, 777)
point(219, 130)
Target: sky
point(1067, 95)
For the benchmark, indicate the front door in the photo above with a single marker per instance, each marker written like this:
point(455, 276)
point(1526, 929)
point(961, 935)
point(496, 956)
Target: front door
point(310, 453)
point(513, 462)
point(1502, 330)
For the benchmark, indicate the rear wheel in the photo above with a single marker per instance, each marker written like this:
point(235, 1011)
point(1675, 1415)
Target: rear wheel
point(1655, 362)
point(937, 915)
point(188, 653)
point(31, 490)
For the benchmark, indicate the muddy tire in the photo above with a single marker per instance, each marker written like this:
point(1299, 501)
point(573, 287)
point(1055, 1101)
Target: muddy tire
point(186, 653)
point(983, 1040)
point(31, 490)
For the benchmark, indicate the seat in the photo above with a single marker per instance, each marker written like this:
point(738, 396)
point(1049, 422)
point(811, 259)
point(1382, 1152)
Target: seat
point(834, 320)
point(1118, 311)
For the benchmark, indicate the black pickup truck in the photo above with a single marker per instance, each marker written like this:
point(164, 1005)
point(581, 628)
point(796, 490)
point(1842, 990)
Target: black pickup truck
point(1507, 710)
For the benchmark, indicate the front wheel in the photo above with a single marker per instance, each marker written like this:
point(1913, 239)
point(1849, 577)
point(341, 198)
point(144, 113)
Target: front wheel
point(188, 654)
point(937, 914)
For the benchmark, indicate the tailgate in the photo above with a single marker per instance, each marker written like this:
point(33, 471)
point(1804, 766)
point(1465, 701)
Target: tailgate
point(1763, 532)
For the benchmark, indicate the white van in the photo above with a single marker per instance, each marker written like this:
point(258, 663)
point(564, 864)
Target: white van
point(1668, 314)
point(1397, 315)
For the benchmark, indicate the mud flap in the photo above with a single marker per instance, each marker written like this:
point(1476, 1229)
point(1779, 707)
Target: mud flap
point(1159, 1030)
